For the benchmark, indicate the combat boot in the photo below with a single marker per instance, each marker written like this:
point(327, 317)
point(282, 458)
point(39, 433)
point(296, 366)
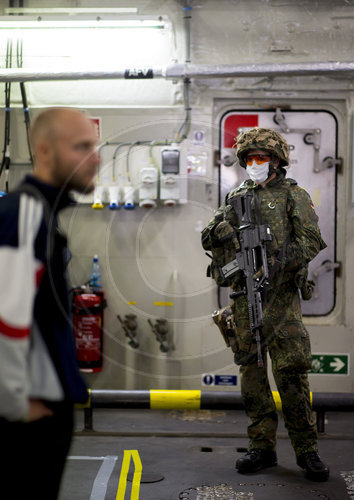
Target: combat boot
point(314, 467)
point(255, 460)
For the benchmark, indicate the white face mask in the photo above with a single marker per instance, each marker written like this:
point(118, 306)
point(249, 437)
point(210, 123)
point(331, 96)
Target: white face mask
point(258, 173)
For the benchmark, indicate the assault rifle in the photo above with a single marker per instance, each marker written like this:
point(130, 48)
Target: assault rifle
point(252, 260)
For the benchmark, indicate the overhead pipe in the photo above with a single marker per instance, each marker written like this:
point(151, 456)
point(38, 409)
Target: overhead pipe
point(187, 30)
point(183, 71)
point(203, 400)
point(255, 70)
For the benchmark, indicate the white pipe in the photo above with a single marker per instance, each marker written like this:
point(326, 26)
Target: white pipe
point(182, 71)
point(28, 75)
point(255, 70)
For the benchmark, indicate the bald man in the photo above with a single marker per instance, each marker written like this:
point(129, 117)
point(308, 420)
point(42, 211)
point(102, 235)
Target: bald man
point(39, 376)
point(63, 142)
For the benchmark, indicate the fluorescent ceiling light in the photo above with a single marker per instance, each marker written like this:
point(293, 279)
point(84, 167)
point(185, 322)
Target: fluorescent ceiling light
point(84, 23)
point(72, 11)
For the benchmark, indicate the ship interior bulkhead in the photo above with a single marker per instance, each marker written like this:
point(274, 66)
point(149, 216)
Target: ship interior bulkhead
point(169, 84)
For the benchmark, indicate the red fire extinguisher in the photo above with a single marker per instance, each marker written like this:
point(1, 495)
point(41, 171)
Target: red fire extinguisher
point(88, 308)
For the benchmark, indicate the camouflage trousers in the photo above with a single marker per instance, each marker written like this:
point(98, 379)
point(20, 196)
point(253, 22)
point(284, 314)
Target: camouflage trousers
point(285, 338)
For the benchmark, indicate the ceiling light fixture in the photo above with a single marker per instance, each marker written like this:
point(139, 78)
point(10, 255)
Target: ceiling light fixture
point(71, 11)
point(39, 23)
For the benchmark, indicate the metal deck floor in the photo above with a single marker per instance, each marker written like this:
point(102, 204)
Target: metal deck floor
point(195, 453)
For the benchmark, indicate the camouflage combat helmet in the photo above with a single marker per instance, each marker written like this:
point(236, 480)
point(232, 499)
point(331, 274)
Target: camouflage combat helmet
point(262, 138)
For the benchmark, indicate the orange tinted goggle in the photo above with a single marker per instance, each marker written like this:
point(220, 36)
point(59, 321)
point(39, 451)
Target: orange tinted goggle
point(259, 159)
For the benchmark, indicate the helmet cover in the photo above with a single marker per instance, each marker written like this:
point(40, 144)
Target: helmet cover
point(262, 138)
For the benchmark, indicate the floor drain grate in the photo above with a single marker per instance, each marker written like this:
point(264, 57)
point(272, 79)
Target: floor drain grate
point(228, 492)
point(217, 492)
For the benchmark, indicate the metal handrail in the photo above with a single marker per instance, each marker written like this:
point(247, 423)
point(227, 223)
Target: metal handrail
point(196, 399)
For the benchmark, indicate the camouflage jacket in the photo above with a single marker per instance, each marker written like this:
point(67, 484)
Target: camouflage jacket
point(289, 212)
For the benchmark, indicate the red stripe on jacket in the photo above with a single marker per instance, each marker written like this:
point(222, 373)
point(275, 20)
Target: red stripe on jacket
point(13, 332)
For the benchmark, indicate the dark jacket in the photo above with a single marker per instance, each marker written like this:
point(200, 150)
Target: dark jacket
point(37, 351)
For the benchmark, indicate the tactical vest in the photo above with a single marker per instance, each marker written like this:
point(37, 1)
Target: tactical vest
point(273, 206)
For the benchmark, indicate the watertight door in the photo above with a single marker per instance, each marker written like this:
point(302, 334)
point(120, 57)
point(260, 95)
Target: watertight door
point(313, 147)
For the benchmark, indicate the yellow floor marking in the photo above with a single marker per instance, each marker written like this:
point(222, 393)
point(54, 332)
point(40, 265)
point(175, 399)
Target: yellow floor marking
point(137, 475)
point(138, 468)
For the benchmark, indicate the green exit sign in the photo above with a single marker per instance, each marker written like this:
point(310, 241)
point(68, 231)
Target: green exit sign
point(330, 364)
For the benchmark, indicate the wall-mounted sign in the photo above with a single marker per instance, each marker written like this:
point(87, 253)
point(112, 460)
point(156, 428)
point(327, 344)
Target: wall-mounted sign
point(330, 364)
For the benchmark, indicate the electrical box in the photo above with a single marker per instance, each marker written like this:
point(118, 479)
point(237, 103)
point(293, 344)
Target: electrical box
point(170, 161)
point(98, 197)
point(148, 187)
point(114, 197)
point(170, 179)
point(128, 193)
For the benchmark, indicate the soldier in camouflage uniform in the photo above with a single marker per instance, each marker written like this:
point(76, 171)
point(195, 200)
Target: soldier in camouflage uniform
point(296, 240)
